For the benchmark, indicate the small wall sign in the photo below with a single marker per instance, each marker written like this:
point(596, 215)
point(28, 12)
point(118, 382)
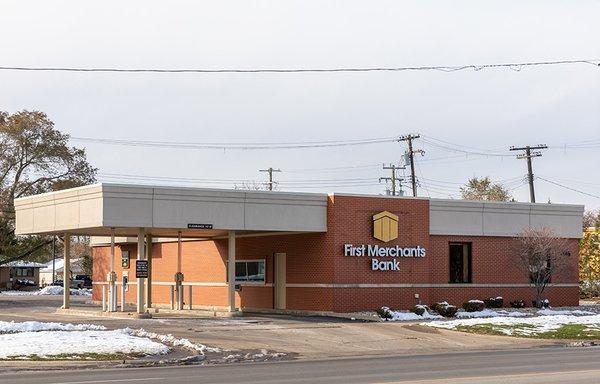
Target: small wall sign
point(200, 226)
point(141, 269)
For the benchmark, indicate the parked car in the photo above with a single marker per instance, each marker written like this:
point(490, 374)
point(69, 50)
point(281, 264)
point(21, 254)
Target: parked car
point(80, 281)
point(83, 281)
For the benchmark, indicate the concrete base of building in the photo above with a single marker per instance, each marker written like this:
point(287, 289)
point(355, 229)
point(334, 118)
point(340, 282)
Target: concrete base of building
point(295, 312)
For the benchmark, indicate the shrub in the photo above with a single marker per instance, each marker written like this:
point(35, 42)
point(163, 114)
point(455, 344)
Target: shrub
point(473, 306)
point(445, 309)
point(494, 302)
point(420, 309)
point(384, 313)
point(517, 304)
point(544, 303)
point(589, 289)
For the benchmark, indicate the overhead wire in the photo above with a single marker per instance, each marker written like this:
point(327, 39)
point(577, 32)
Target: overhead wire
point(517, 66)
point(569, 188)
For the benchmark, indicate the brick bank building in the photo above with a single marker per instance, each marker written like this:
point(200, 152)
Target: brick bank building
point(226, 250)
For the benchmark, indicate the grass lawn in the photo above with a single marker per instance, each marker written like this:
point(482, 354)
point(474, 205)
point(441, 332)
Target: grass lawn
point(565, 331)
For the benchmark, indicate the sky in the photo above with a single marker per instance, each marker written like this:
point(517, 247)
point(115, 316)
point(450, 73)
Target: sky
point(484, 111)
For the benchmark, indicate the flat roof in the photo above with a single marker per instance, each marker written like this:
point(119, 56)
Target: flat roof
point(164, 211)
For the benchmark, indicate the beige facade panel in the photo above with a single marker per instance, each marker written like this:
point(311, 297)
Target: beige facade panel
point(70, 209)
point(176, 208)
point(97, 208)
point(288, 211)
point(455, 217)
point(477, 218)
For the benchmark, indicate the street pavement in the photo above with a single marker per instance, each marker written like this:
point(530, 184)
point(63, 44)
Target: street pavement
point(529, 366)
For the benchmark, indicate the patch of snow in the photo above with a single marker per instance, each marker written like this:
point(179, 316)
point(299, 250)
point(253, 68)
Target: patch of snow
point(77, 343)
point(409, 316)
point(261, 356)
point(533, 324)
point(53, 290)
point(552, 312)
point(36, 326)
point(172, 340)
point(490, 313)
point(476, 301)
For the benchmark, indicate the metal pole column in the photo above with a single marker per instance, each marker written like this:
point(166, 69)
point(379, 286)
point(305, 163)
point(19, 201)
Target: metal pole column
point(140, 281)
point(231, 270)
point(66, 270)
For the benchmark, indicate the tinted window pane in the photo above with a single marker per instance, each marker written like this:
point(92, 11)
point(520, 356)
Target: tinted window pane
point(256, 271)
point(240, 271)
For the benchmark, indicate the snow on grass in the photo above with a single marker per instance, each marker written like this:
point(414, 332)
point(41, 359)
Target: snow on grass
point(391, 315)
point(172, 340)
point(36, 326)
point(553, 312)
point(523, 326)
point(49, 290)
point(39, 340)
point(490, 313)
point(44, 344)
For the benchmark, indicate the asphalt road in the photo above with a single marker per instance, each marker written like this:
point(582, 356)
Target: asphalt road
point(545, 365)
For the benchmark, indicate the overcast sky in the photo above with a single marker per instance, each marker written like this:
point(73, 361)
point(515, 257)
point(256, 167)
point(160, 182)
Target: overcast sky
point(486, 111)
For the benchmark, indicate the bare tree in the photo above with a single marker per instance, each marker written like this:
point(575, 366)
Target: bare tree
point(543, 256)
point(254, 186)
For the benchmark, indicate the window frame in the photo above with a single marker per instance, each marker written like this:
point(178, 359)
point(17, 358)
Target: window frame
point(252, 282)
point(469, 279)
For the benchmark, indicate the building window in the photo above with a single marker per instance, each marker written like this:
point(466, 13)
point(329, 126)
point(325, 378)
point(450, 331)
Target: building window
point(24, 272)
point(460, 263)
point(250, 270)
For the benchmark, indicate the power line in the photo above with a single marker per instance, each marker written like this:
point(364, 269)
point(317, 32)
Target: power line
point(237, 146)
point(517, 66)
point(452, 148)
point(569, 188)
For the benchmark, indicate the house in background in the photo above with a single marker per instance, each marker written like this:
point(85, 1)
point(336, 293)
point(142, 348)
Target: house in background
point(45, 277)
point(20, 272)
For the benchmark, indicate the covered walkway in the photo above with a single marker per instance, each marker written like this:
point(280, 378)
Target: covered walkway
point(145, 214)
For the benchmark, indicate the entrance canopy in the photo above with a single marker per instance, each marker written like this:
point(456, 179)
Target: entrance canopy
point(97, 210)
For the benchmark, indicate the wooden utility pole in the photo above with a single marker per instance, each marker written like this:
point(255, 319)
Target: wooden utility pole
point(270, 170)
point(413, 179)
point(394, 179)
point(529, 153)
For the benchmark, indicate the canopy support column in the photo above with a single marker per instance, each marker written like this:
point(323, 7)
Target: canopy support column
point(231, 271)
point(178, 275)
point(67, 271)
point(112, 276)
point(140, 281)
point(149, 279)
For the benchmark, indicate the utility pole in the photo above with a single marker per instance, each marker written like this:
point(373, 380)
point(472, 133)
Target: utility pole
point(409, 138)
point(529, 153)
point(394, 179)
point(270, 170)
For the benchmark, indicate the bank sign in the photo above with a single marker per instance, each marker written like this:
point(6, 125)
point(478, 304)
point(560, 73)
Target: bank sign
point(385, 228)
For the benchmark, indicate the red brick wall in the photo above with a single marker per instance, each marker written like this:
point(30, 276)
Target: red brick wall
point(317, 259)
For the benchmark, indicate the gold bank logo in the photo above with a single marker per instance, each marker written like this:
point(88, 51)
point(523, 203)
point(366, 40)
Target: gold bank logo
point(385, 226)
